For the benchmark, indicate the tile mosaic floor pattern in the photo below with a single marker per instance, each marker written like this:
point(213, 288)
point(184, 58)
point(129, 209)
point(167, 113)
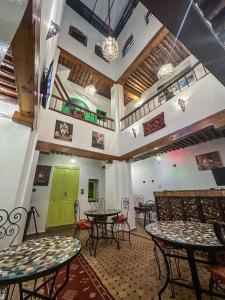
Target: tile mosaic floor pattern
point(131, 272)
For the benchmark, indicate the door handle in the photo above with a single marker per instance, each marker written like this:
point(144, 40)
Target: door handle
point(65, 194)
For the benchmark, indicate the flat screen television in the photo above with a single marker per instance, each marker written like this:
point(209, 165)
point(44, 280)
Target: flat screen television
point(219, 175)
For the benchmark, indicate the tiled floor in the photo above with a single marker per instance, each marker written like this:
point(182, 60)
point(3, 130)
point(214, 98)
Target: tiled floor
point(131, 273)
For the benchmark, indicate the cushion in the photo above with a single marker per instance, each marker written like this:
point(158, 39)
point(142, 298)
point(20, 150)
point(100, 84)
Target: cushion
point(83, 224)
point(120, 219)
point(218, 271)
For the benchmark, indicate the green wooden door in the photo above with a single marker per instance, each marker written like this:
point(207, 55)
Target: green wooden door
point(64, 192)
point(72, 185)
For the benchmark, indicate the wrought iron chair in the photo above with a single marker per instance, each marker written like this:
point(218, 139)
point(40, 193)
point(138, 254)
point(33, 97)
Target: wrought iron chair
point(122, 220)
point(99, 224)
point(149, 212)
point(217, 278)
point(81, 225)
point(12, 225)
point(138, 202)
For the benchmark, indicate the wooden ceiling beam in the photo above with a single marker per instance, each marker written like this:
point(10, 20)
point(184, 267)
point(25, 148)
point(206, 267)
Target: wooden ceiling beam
point(139, 80)
point(146, 78)
point(132, 91)
point(130, 95)
point(144, 53)
point(136, 83)
point(24, 62)
point(47, 147)
point(75, 60)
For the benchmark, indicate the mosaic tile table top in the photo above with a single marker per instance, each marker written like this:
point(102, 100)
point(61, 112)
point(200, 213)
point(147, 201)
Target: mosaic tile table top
point(189, 233)
point(106, 212)
point(36, 257)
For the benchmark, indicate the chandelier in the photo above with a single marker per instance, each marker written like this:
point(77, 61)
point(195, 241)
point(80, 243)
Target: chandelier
point(90, 89)
point(165, 71)
point(110, 47)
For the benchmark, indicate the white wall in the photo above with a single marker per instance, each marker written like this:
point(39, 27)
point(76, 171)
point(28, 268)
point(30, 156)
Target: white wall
point(74, 90)
point(136, 25)
point(89, 169)
point(142, 34)
point(13, 146)
point(203, 99)
point(185, 176)
point(87, 54)
point(82, 132)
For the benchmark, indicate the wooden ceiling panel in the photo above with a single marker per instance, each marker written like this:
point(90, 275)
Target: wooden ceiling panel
point(142, 73)
point(82, 74)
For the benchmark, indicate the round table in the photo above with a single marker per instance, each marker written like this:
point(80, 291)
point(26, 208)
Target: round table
point(37, 258)
point(99, 218)
point(102, 213)
point(190, 236)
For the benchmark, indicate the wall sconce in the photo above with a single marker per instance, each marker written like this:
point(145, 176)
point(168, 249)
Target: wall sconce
point(158, 157)
point(134, 130)
point(73, 160)
point(181, 103)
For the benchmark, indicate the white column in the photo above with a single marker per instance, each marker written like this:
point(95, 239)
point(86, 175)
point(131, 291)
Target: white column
point(118, 185)
point(117, 104)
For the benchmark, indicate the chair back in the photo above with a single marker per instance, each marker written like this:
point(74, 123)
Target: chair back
point(219, 229)
point(138, 200)
point(151, 204)
point(76, 211)
point(125, 203)
point(12, 225)
point(99, 204)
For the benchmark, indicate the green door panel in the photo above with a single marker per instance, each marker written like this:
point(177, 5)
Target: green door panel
point(64, 192)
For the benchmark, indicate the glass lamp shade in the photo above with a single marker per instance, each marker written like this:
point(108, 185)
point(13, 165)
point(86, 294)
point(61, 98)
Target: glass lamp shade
point(165, 71)
point(110, 48)
point(158, 157)
point(90, 89)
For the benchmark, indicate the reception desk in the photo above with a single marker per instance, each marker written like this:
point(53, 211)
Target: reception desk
point(206, 206)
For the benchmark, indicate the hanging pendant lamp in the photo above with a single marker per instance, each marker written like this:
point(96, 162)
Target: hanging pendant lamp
point(110, 47)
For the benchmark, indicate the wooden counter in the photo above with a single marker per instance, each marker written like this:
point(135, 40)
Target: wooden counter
point(191, 205)
point(192, 193)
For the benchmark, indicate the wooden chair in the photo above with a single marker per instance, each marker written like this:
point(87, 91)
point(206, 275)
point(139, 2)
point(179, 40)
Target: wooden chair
point(122, 220)
point(217, 278)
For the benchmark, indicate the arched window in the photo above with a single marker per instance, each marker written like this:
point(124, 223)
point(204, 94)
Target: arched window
point(78, 35)
point(148, 17)
point(129, 43)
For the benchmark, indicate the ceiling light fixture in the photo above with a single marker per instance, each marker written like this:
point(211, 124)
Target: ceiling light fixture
point(165, 71)
point(110, 47)
point(73, 160)
point(158, 157)
point(90, 90)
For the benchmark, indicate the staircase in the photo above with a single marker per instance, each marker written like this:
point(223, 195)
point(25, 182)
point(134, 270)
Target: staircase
point(8, 90)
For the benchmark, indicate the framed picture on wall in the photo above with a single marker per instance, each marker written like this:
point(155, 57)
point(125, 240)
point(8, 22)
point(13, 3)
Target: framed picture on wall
point(98, 140)
point(209, 161)
point(42, 175)
point(63, 131)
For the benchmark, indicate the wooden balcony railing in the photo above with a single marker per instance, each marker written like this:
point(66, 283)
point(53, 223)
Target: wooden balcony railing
point(69, 108)
point(188, 78)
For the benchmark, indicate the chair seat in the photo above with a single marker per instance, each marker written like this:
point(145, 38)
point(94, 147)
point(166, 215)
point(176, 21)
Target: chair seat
point(83, 224)
point(120, 219)
point(218, 271)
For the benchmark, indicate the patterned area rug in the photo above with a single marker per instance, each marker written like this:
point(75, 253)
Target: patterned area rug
point(83, 283)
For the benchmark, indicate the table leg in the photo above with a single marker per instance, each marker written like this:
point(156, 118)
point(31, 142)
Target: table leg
point(167, 271)
point(194, 274)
